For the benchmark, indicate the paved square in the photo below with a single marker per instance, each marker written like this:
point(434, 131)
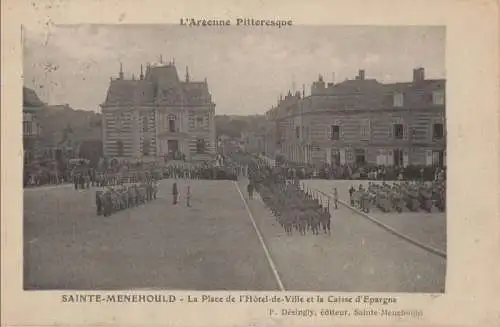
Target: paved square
point(359, 256)
point(210, 246)
point(424, 227)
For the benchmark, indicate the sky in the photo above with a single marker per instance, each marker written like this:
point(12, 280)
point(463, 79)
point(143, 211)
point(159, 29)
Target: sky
point(246, 68)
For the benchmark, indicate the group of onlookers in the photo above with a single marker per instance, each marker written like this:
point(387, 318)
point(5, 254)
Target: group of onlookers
point(366, 172)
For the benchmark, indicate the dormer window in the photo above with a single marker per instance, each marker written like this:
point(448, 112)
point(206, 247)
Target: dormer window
point(438, 98)
point(398, 99)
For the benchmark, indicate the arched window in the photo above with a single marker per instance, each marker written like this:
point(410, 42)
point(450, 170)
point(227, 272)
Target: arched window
point(119, 147)
point(171, 123)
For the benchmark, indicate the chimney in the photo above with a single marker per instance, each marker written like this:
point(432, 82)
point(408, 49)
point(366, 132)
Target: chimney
point(120, 74)
point(361, 74)
point(418, 74)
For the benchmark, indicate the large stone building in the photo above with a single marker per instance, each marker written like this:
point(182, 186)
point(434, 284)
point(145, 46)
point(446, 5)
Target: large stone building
point(362, 121)
point(31, 127)
point(158, 115)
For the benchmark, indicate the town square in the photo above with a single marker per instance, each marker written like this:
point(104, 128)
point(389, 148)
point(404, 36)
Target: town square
point(198, 170)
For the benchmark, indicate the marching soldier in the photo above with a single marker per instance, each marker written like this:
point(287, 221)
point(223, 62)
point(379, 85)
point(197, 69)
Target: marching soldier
point(174, 193)
point(336, 197)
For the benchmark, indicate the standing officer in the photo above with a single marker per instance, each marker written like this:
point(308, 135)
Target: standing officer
point(188, 196)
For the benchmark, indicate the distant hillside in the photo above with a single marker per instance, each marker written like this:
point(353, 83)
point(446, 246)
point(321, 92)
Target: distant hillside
point(233, 126)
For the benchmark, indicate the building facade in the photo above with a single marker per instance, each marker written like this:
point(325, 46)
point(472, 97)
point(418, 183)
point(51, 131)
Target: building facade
point(31, 127)
point(158, 115)
point(363, 121)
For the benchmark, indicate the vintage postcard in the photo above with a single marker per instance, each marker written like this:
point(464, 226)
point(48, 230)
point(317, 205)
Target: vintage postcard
point(219, 164)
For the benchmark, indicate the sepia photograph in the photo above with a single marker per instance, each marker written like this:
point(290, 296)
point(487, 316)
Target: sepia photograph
point(284, 163)
point(155, 158)
point(306, 158)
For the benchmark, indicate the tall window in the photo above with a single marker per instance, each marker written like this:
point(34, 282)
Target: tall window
point(145, 147)
point(171, 125)
point(145, 124)
point(335, 132)
point(200, 146)
point(365, 129)
point(199, 121)
point(297, 132)
point(437, 131)
point(349, 156)
point(438, 97)
point(119, 147)
point(398, 131)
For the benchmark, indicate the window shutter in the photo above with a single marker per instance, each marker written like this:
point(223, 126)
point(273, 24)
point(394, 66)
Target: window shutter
point(329, 155)
point(391, 128)
point(341, 130)
point(428, 157)
point(405, 131)
point(328, 132)
point(390, 158)
point(444, 158)
point(342, 156)
point(405, 158)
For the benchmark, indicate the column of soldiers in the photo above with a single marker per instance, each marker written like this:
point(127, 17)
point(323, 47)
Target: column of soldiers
point(412, 196)
point(293, 207)
point(112, 199)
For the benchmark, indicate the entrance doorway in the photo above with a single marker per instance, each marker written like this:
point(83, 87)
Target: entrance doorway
point(335, 157)
point(173, 146)
point(398, 158)
point(360, 156)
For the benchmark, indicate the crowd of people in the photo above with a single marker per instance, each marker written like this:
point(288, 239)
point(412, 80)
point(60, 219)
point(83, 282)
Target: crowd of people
point(363, 172)
point(412, 196)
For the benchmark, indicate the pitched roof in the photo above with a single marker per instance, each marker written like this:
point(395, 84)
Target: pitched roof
point(416, 94)
point(196, 93)
point(161, 85)
point(368, 94)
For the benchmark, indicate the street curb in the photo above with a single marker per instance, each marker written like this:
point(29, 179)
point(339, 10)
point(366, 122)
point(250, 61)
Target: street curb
point(389, 229)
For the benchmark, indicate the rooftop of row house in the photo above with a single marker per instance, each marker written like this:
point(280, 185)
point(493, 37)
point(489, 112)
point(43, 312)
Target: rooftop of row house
point(359, 93)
